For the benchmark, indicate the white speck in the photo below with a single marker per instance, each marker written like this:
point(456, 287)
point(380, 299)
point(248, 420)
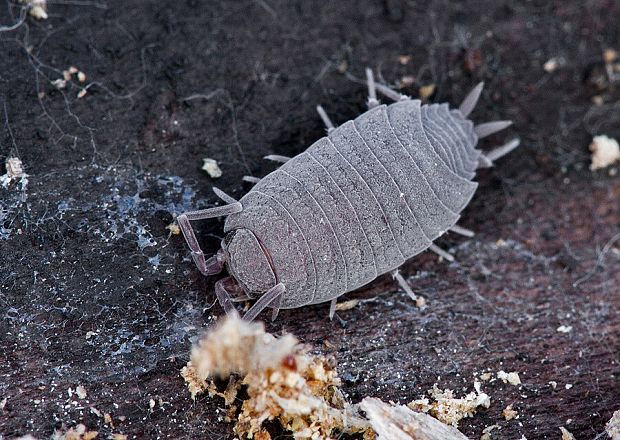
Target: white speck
point(212, 168)
point(565, 328)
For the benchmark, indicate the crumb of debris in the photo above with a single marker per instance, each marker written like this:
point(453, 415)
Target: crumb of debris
point(59, 83)
point(80, 391)
point(404, 59)
point(347, 305)
point(107, 419)
point(425, 92)
point(486, 432)
point(610, 55)
point(26, 437)
point(174, 229)
point(283, 381)
point(77, 433)
point(95, 411)
point(81, 93)
point(565, 328)
point(343, 66)
point(406, 81)
point(597, 100)
point(509, 413)
point(568, 386)
point(449, 409)
point(566, 435)
point(551, 65)
point(212, 168)
point(420, 302)
point(81, 76)
point(613, 426)
point(512, 378)
point(605, 151)
point(14, 168)
point(38, 8)
point(553, 384)
point(398, 422)
point(486, 376)
point(118, 437)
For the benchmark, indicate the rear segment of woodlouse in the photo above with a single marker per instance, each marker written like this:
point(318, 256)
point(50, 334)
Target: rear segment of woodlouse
point(356, 204)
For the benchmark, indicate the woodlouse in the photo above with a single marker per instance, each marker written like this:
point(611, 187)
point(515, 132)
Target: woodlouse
point(356, 204)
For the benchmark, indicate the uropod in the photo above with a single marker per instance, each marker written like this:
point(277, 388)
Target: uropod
point(357, 204)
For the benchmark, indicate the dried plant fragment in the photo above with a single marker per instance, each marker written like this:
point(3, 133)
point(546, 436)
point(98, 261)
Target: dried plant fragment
point(486, 432)
point(449, 409)
point(605, 151)
point(397, 422)
point(613, 426)
point(283, 382)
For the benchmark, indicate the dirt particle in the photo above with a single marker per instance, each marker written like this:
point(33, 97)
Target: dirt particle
point(509, 413)
point(511, 378)
point(426, 92)
point(212, 168)
point(564, 329)
point(566, 435)
point(605, 151)
point(80, 391)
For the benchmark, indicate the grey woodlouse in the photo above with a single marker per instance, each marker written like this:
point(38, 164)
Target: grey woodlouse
point(356, 204)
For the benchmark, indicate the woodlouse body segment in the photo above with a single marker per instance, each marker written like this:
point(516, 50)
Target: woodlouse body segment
point(358, 203)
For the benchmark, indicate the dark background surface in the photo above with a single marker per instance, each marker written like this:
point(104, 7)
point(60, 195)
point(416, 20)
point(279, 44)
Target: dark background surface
point(94, 291)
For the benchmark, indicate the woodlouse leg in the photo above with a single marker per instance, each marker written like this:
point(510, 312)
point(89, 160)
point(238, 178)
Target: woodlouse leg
point(404, 285)
point(223, 297)
point(372, 90)
point(470, 100)
point(462, 231)
point(214, 265)
point(251, 179)
point(488, 128)
point(264, 301)
point(439, 251)
point(332, 308)
point(277, 158)
point(328, 122)
point(487, 160)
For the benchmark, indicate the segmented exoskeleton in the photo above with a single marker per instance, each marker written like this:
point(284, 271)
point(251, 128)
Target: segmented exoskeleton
point(356, 204)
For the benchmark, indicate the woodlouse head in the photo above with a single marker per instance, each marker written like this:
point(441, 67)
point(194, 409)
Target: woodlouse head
point(248, 262)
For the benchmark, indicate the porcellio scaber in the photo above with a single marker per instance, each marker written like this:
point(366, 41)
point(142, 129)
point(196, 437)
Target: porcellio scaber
point(358, 203)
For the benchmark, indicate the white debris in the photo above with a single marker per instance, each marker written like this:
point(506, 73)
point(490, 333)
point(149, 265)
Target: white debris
point(565, 328)
point(397, 422)
point(566, 435)
point(552, 64)
point(605, 151)
point(212, 168)
point(613, 426)
point(38, 8)
point(81, 391)
point(512, 378)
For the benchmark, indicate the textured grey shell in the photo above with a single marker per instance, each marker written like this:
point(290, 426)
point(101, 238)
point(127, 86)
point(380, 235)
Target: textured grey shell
point(359, 202)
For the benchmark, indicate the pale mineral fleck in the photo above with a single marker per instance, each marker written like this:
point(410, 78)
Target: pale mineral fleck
point(212, 168)
point(605, 151)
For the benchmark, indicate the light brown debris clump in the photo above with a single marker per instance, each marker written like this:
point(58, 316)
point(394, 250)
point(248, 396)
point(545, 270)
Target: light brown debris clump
point(509, 413)
point(397, 422)
point(449, 409)
point(283, 381)
point(77, 433)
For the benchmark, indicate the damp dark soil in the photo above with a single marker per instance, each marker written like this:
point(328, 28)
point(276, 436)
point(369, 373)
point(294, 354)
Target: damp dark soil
point(96, 292)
